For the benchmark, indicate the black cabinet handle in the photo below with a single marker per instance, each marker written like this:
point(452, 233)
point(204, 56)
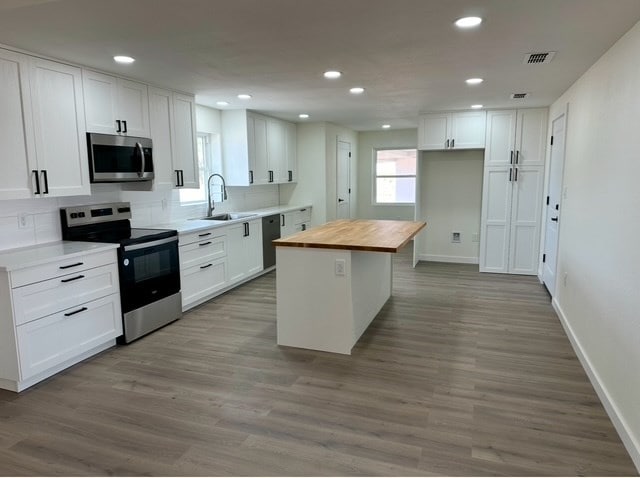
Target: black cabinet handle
point(510, 173)
point(515, 177)
point(204, 243)
point(250, 177)
point(71, 265)
point(282, 220)
point(290, 175)
point(204, 267)
point(35, 171)
point(554, 219)
point(447, 144)
point(517, 156)
point(453, 143)
point(177, 171)
point(204, 235)
point(304, 227)
point(72, 279)
point(270, 176)
point(69, 314)
point(124, 130)
point(303, 210)
point(181, 177)
point(511, 158)
point(119, 130)
point(246, 229)
point(46, 182)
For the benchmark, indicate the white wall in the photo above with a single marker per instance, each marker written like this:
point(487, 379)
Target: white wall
point(451, 195)
point(599, 248)
point(368, 142)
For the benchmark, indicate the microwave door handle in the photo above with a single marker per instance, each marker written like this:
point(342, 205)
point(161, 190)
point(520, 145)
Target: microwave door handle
point(139, 146)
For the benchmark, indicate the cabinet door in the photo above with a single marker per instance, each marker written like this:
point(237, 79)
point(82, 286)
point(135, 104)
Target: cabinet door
point(500, 138)
point(52, 340)
point(160, 118)
point(16, 131)
point(59, 128)
point(525, 219)
point(531, 137)
point(291, 154)
point(133, 108)
point(433, 131)
point(276, 150)
point(468, 130)
point(236, 254)
point(202, 280)
point(258, 149)
point(495, 219)
point(287, 223)
point(100, 101)
point(184, 133)
point(253, 247)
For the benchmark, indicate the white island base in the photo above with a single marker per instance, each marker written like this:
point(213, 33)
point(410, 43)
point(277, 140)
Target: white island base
point(319, 308)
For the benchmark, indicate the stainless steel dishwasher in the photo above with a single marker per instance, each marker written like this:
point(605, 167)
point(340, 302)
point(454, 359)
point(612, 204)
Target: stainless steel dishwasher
point(270, 232)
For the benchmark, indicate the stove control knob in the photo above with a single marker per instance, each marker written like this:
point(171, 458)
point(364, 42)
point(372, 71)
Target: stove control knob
point(74, 215)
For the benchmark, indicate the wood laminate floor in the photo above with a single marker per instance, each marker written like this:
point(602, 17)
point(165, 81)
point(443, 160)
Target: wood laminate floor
point(461, 373)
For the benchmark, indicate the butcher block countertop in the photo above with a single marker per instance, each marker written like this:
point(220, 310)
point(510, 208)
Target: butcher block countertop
point(356, 235)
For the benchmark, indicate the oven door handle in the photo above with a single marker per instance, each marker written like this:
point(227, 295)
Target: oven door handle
point(139, 146)
point(144, 245)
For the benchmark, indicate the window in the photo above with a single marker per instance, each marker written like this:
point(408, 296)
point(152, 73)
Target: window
point(207, 149)
point(395, 180)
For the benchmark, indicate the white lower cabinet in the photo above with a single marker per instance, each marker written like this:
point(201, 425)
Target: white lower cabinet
point(295, 221)
point(203, 265)
point(55, 315)
point(245, 250)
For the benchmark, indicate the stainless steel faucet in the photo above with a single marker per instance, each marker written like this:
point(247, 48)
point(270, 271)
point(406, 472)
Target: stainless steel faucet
point(210, 203)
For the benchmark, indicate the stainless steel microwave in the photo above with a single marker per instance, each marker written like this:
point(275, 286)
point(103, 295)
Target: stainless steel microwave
point(115, 159)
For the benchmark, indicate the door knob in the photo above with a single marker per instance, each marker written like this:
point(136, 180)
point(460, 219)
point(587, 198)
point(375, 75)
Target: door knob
point(554, 219)
point(340, 200)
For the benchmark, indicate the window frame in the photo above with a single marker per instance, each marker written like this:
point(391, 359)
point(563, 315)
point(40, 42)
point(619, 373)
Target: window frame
point(374, 176)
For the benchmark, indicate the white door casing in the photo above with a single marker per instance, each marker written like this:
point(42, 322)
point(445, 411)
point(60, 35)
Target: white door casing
point(552, 217)
point(343, 180)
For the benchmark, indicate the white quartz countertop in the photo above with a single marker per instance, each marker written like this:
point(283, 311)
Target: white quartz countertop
point(29, 256)
point(193, 225)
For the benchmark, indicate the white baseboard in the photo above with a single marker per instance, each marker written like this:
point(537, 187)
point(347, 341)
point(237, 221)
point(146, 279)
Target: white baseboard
point(626, 435)
point(456, 259)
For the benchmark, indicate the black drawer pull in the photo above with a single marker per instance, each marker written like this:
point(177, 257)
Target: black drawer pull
point(205, 243)
point(71, 265)
point(204, 235)
point(69, 314)
point(35, 172)
point(72, 278)
point(119, 130)
point(204, 267)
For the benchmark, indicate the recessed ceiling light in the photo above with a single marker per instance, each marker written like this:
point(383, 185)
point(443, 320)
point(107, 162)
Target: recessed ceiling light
point(474, 81)
point(477, 107)
point(356, 90)
point(386, 126)
point(468, 22)
point(123, 59)
point(222, 103)
point(332, 74)
point(303, 115)
point(243, 96)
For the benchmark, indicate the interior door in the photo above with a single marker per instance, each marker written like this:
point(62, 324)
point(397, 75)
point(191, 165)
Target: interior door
point(343, 187)
point(553, 205)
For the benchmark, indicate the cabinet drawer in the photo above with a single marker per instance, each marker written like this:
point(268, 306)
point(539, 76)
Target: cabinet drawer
point(59, 337)
point(199, 236)
point(205, 250)
point(303, 215)
point(60, 268)
point(202, 280)
point(47, 297)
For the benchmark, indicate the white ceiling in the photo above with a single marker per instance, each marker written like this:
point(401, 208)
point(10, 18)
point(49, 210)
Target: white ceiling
point(406, 53)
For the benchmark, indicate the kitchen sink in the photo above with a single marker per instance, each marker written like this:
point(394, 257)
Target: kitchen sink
point(228, 216)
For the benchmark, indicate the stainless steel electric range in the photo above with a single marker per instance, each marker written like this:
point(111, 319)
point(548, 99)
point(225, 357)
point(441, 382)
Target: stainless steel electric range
point(147, 260)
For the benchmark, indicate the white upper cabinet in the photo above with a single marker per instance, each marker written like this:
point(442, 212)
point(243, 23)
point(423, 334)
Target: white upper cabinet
point(257, 149)
point(173, 132)
point(115, 105)
point(458, 130)
point(43, 131)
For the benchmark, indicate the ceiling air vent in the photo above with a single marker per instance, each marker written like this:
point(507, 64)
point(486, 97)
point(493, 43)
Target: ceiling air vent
point(519, 96)
point(539, 58)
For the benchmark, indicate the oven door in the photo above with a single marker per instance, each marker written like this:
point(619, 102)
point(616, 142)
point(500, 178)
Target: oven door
point(148, 272)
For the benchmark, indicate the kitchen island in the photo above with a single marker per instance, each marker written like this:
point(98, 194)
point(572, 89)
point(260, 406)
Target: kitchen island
point(333, 280)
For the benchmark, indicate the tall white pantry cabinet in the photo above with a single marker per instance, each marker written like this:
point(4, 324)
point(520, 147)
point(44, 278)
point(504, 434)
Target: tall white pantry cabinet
point(512, 190)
